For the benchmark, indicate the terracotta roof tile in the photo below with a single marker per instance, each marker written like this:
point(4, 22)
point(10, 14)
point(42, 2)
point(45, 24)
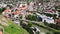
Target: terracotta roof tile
point(17, 12)
point(7, 10)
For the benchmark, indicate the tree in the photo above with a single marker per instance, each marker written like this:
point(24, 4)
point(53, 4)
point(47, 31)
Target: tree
point(30, 24)
point(0, 10)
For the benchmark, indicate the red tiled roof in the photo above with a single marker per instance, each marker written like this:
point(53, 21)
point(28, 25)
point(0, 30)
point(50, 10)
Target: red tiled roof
point(24, 7)
point(58, 21)
point(7, 10)
point(51, 11)
point(17, 12)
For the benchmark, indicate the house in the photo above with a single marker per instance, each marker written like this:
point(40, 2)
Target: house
point(22, 6)
point(50, 20)
point(44, 18)
point(17, 22)
point(6, 12)
point(30, 7)
point(15, 17)
point(17, 14)
point(58, 21)
point(3, 5)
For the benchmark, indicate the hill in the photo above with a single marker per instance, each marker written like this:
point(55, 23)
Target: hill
point(10, 27)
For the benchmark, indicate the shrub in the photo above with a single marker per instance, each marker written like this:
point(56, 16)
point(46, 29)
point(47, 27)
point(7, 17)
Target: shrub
point(48, 33)
point(29, 30)
point(30, 24)
point(20, 17)
point(54, 26)
point(48, 28)
point(31, 17)
point(51, 15)
point(57, 7)
point(27, 27)
point(46, 0)
point(56, 32)
point(2, 9)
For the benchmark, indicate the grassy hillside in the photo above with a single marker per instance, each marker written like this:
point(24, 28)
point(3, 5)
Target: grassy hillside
point(10, 27)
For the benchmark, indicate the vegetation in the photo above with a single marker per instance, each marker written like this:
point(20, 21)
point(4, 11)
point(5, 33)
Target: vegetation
point(48, 28)
point(30, 24)
point(51, 15)
point(32, 17)
point(55, 26)
point(48, 33)
point(57, 8)
point(27, 27)
point(2, 9)
point(12, 28)
point(46, 0)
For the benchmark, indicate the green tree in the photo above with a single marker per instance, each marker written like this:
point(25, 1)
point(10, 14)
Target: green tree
point(30, 24)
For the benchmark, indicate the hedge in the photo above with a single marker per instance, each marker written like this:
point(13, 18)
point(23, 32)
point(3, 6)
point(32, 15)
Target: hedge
point(32, 17)
point(51, 15)
point(0, 10)
point(27, 27)
point(29, 30)
point(55, 26)
point(48, 28)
